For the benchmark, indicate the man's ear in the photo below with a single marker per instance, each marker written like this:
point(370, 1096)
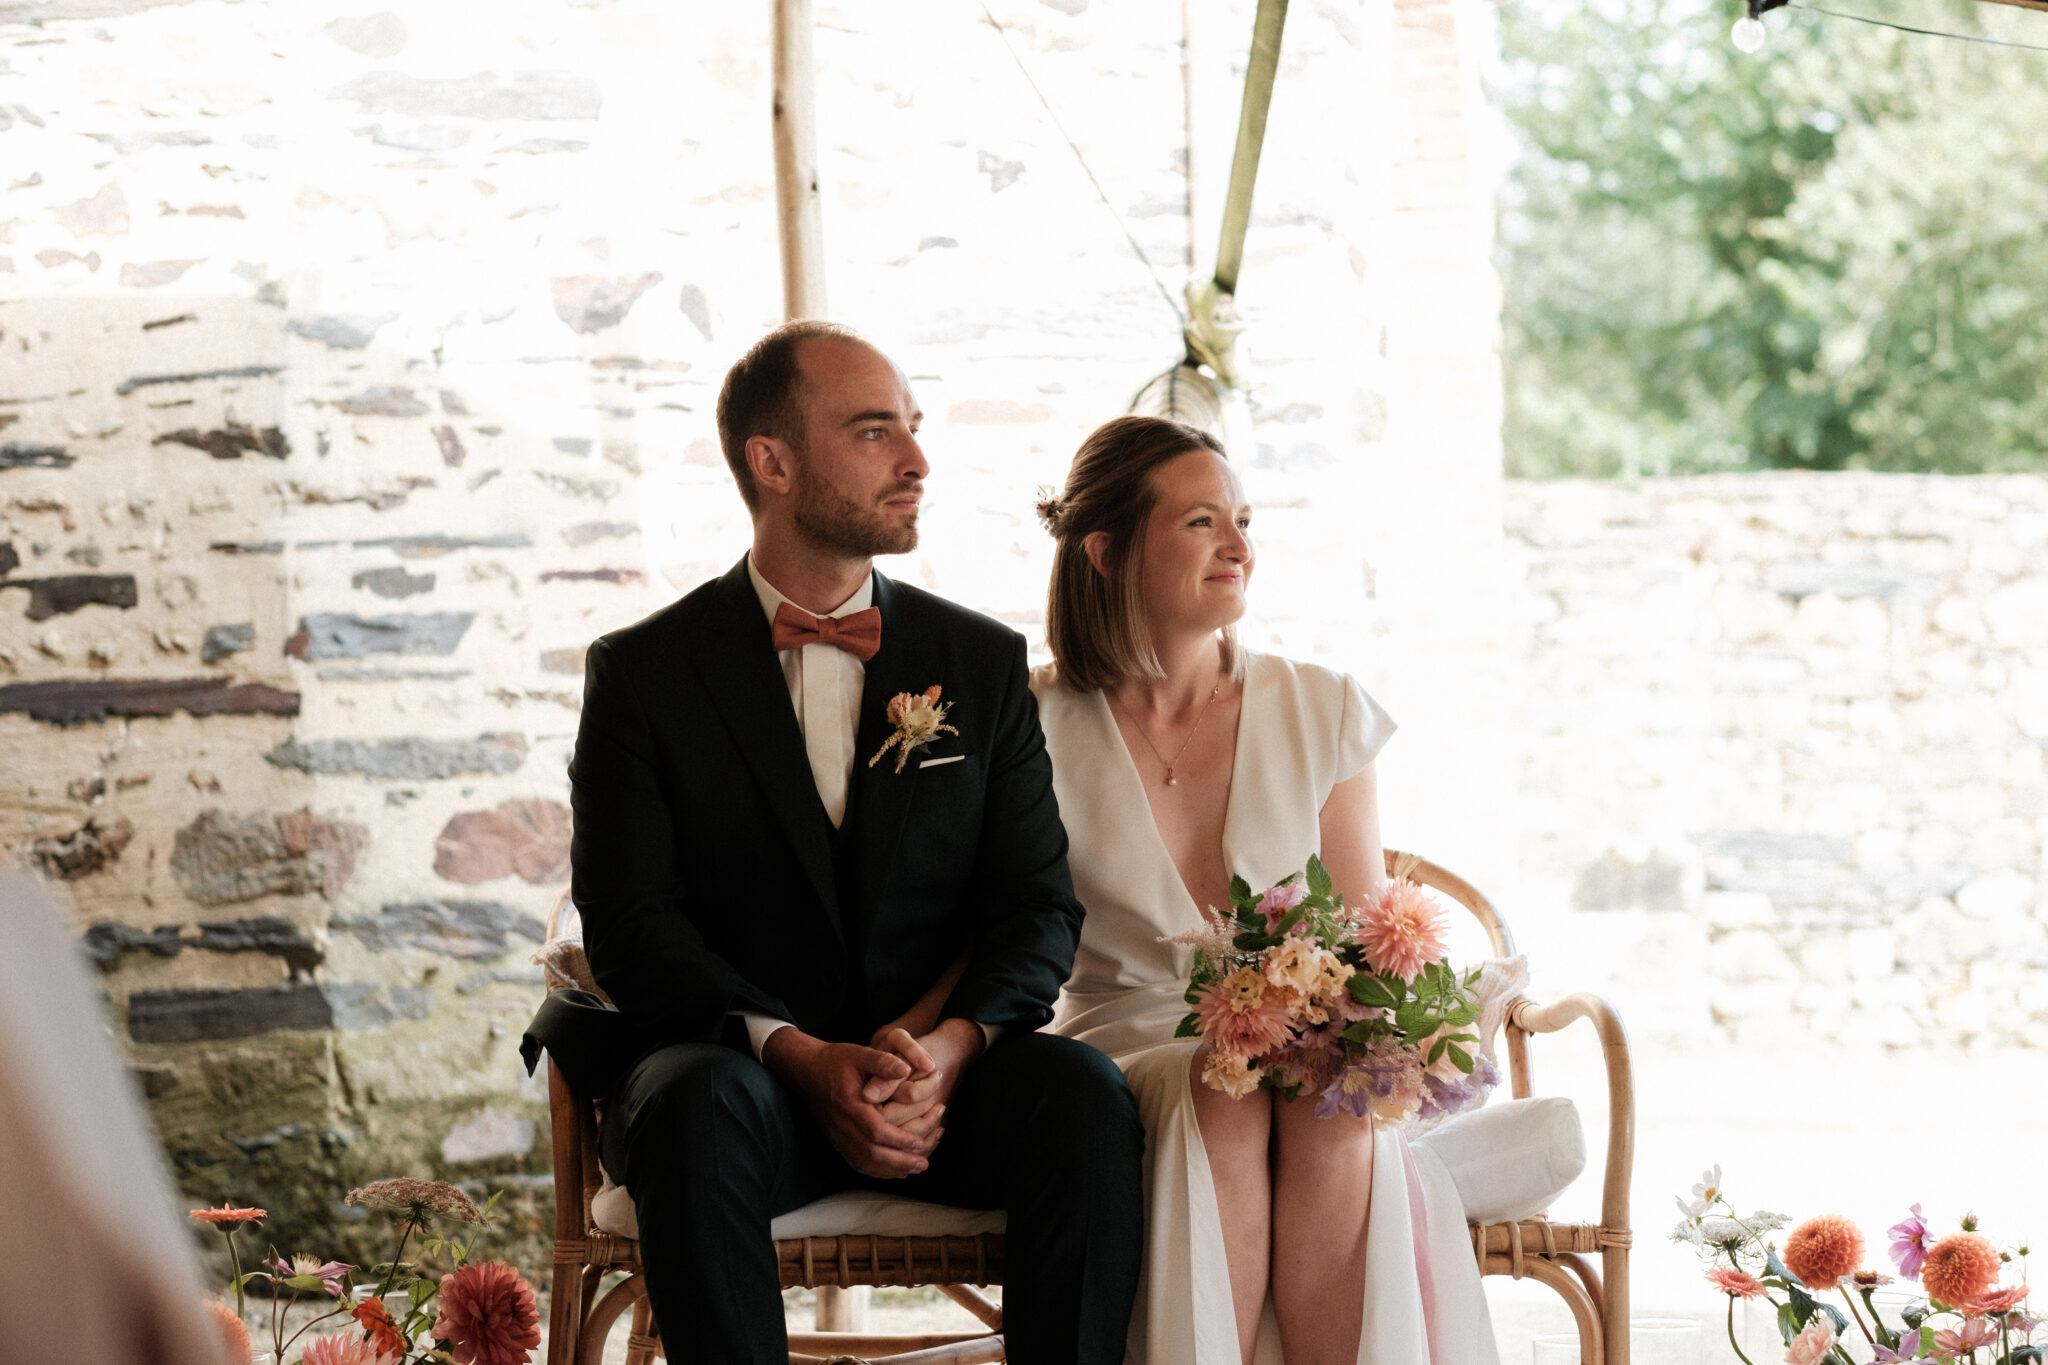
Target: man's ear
point(1096, 546)
point(772, 463)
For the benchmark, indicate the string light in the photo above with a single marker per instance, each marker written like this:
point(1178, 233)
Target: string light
point(1747, 35)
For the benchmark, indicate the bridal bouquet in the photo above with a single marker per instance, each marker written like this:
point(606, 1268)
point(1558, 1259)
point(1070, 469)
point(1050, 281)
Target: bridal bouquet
point(1963, 1313)
point(1296, 991)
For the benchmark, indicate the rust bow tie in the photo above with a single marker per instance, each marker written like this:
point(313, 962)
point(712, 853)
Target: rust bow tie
point(858, 633)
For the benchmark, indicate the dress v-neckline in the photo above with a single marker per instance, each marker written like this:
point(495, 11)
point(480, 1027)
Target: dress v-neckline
point(1135, 781)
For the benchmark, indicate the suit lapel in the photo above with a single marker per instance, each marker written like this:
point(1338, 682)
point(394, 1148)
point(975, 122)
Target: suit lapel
point(911, 659)
point(746, 684)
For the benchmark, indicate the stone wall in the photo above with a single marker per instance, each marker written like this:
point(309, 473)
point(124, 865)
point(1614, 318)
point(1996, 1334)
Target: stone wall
point(1783, 754)
point(356, 368)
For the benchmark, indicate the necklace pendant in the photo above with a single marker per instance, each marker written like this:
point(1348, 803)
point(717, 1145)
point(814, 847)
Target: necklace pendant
point(1171, 780)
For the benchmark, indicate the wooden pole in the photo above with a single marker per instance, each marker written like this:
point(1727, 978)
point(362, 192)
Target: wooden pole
point(1260, 70)
point(796, 163)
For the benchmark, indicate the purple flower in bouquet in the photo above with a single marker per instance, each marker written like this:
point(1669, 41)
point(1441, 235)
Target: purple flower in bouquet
point(1909, 1349)
point(1444, 1096)
point(1387, 1082)
point(1277, 901)
point(1909, 1244)
point(305, 1272)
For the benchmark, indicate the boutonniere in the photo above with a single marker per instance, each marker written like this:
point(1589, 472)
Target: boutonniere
point(919, 719)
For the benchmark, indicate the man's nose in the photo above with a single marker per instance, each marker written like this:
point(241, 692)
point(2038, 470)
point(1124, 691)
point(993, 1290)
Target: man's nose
point(913, 464)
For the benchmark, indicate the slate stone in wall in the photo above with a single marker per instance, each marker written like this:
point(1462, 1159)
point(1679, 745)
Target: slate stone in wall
point(431, 547)
point(342, 332)
point(15, 455)
point(66, 593)
point(82, 852)
point(108, 942)
point(334, 635)
point(220, 859)
point(230, 442)
point(384, 402)
point(10, 560)
point(410, 759)
point(221, 641)
point(1797, 580)
point(526, 838)
point(147, 381)
point(66, 702)
point(591, 303)
point(393, 582)
point(195, 1016)
point(363, 1009)
point(459, 929)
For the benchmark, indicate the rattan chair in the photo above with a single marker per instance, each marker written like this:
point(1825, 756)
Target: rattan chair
point(583, 1312)
point(1556, 1254)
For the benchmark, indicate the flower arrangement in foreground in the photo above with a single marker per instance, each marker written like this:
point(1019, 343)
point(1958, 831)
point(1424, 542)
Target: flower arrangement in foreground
point(1965, 1314)
point(477, 1313)
point(1295, 991)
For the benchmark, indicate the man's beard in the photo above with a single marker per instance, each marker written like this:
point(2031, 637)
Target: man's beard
point(832, 521)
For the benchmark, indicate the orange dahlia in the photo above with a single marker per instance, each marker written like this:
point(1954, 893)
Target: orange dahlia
point(488, 1312)
point(1822, 1250)
point(228, 1214)
point(1960, 1267)
point(233, 1331)
point(378, 1328)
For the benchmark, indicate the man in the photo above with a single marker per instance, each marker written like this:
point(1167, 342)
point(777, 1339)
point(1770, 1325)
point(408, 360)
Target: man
point(829, 960)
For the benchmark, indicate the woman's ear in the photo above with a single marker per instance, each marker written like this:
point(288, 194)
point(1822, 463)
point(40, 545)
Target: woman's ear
point(770, 461)
point(1096, 546)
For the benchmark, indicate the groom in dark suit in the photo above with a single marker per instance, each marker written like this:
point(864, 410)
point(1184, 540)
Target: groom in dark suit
point(828, 969)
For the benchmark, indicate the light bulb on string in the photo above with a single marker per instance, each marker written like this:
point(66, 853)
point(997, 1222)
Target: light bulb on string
point(1748, 34)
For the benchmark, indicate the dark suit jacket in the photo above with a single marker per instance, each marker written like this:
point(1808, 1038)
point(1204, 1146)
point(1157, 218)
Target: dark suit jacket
point(703, 859)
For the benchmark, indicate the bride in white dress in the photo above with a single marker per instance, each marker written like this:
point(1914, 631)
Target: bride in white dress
point(1179, 759)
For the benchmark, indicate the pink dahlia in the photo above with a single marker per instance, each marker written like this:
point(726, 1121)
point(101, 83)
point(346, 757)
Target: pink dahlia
point(344, 1350)
point(1401, 929)
point(1238, 1017)
point(1739, 1283)
point(488, 1312)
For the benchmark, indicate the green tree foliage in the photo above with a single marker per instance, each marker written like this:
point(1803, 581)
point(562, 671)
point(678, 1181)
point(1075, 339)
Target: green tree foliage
point(1832, 254)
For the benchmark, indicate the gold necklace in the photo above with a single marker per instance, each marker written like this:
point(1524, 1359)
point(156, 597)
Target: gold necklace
point(1171, 780)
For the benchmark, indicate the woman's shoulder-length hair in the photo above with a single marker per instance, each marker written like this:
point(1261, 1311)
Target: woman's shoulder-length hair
point(1095, 621)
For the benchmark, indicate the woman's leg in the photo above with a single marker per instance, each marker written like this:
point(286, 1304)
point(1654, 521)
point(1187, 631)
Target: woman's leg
point(1237, 1135)
point(1322, 1192)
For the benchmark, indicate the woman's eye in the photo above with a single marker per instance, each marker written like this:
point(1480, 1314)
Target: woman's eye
point(1244, 523)
point(1199, 521)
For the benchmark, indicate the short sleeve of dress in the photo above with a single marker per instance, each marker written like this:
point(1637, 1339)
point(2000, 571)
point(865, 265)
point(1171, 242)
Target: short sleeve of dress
point(1362, 732)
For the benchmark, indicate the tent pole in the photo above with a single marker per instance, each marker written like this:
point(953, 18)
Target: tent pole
point(796, 163)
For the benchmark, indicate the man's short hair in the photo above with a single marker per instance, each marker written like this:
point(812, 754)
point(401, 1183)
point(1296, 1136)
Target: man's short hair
point(762, 396)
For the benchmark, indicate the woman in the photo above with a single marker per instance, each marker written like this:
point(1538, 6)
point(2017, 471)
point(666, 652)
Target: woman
point(1180, 759)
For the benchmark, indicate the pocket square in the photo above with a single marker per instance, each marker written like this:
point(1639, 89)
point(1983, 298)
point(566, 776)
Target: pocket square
point(935, 762)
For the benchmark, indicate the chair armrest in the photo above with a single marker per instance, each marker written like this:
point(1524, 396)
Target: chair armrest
point(1530, 1017)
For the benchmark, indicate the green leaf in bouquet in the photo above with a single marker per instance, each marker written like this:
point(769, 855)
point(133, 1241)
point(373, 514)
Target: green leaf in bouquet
point(1913, 1314)
point(419, 1291)
point(1789, 1323)
point(1774, 1266)
point(1189, 1027)
point(1361, 1032)
point(1241, 894)
point(1252, 941)
point(1289, 920)
point(1412, 1019)
point(1319, 883)
point(491, 1203)
point(2026, 1355)
point(1460, 1058)
point(1368, 989)
point(1436, 1051)
point(431, 1245)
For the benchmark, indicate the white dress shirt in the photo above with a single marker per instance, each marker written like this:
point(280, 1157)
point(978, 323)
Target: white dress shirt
point(825, 685)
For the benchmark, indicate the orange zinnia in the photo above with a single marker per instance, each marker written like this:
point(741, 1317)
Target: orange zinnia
point(229, 1214)
point(233, 1330)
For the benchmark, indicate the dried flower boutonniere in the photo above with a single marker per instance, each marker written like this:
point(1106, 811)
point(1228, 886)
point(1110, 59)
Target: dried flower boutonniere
point(919, 719)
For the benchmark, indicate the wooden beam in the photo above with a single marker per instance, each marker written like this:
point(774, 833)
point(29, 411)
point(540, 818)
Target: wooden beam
point(796, 163)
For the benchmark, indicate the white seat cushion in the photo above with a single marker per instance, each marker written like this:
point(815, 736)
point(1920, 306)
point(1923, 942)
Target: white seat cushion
point(1509, 1159)
point(850, 1213)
